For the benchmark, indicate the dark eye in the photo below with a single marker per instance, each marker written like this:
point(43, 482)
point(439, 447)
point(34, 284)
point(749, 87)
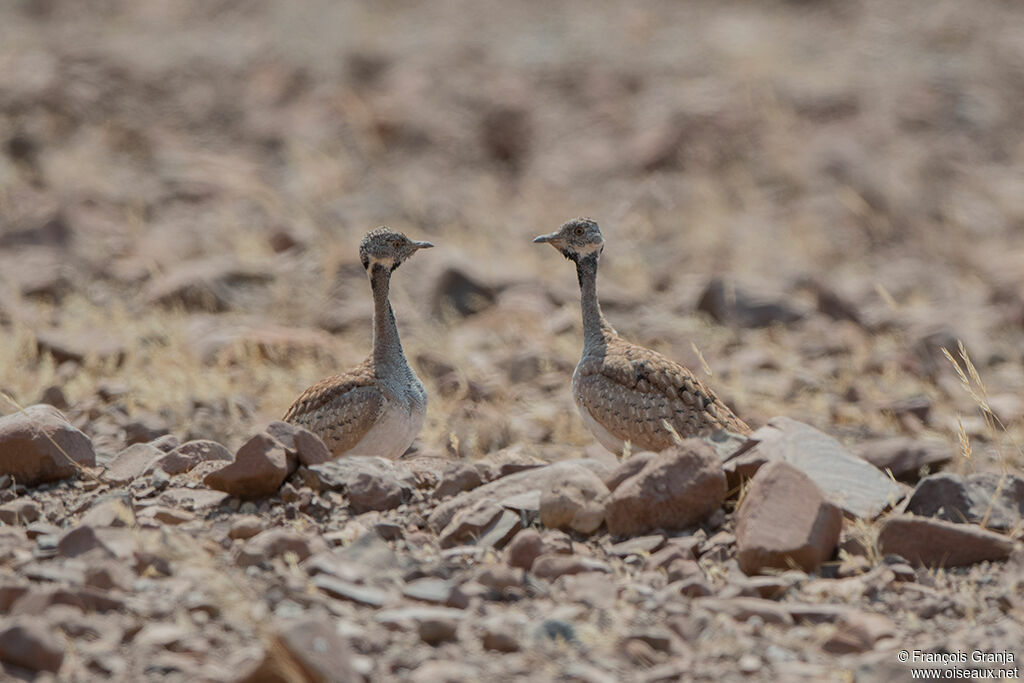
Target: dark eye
point(579, 231)
point(396, 244)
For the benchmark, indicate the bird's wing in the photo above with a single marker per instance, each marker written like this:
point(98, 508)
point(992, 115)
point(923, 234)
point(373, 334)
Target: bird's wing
point(631, 390)
point(340, 409)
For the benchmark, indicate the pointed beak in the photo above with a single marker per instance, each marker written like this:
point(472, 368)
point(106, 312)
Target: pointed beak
point(423, 245)
point(545, 239)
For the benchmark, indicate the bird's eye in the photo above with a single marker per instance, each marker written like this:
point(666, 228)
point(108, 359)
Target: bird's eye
point(579, 231)
point(396, 244)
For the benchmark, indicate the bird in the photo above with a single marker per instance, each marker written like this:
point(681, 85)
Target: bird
point(377, 407)
point(627, 393)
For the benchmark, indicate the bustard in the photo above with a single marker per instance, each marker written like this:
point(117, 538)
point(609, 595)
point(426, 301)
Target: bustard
point(626, 392)
point(377, 407)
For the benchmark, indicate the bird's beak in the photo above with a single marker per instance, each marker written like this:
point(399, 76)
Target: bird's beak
point(545, 239)
point(423, 245)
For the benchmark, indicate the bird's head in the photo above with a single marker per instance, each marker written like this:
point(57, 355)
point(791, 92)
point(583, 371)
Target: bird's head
point(387, 248)
point(576, 239)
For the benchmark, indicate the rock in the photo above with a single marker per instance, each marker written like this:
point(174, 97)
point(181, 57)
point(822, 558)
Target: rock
point(937, 543)
point(38, 445)
point(506, 134)
point(502, 634)
point(857, 487)
point(369, 482)
point(28, 643)
point(437, 630)
point(457, 478)
point(628, 468)
point(674, 490)
point(728, 304)
point(444, 672)
point(785, 520)
point(551, 566)
point(303, 446)
point(905, 456)
point(322, 654)
point(507, 487)
point(858, 632)
point(258, 470)
point(204, 285)
point(347, 590)
point(131, 463)
point(80, 346)
point(436, 591)
point(996, 501)
point(245, 526)
point(744, 609)
point(470, 523)
point(457, 292)
point(573, 499)
point(144, 428)
point(189, 454)
point(641, 545)
point(272, 543)
point(20, 511)
point(524, 548)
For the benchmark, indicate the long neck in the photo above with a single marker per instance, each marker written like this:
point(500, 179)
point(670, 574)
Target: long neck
point(387, 347)
point(594, 324)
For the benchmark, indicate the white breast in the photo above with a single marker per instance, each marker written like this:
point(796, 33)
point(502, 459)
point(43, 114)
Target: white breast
point(393, 432)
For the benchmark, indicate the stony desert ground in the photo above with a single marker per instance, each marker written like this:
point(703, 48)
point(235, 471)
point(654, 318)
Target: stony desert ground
point(817, 206)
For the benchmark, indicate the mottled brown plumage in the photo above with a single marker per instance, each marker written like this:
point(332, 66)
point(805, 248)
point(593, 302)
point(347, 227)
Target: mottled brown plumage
point(377, 407)
point(625, 392)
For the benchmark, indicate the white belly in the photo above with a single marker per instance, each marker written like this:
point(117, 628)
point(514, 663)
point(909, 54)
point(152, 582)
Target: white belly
point(393, 432)
point(603, 436)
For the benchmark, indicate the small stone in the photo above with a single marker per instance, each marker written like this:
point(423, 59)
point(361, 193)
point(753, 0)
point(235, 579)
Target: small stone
point(470, 524)
point(551, 566)
point(189, 454)
point(369, 483)
point(573, 499)
point(131, 463)
point(258, 470)
point(38, 445)
point(929, 542)
point(858, 632)
point(303, 446)
point(315, 645)
point(785, 520)
point(524, 548)
point(347, 590)
point(28, 643)
point(457, 478)
point(674, 490)
point(997, 500)
point(501, 634)
point(729, 304)
point(20, 511)
point(273, 543)
point(437, 630)
point(641, 545)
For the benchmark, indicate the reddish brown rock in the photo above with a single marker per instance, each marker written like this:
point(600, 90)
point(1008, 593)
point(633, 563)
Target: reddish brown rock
point(29, 643)
point(258, 470)
point(628, 468)
point(189, 454)
point(785, 520)
point(39, 445)
point(322, 654)
point(524, 548)
point(674, 490)
point(303, 446)
point(505, 488)
point(552, 565)
point(573, 499)
point(131, 463)
point(368, 482)
point(272, 543)
point(937, 543)
point(457, 478)
point(995, 500)
point(858, 632)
